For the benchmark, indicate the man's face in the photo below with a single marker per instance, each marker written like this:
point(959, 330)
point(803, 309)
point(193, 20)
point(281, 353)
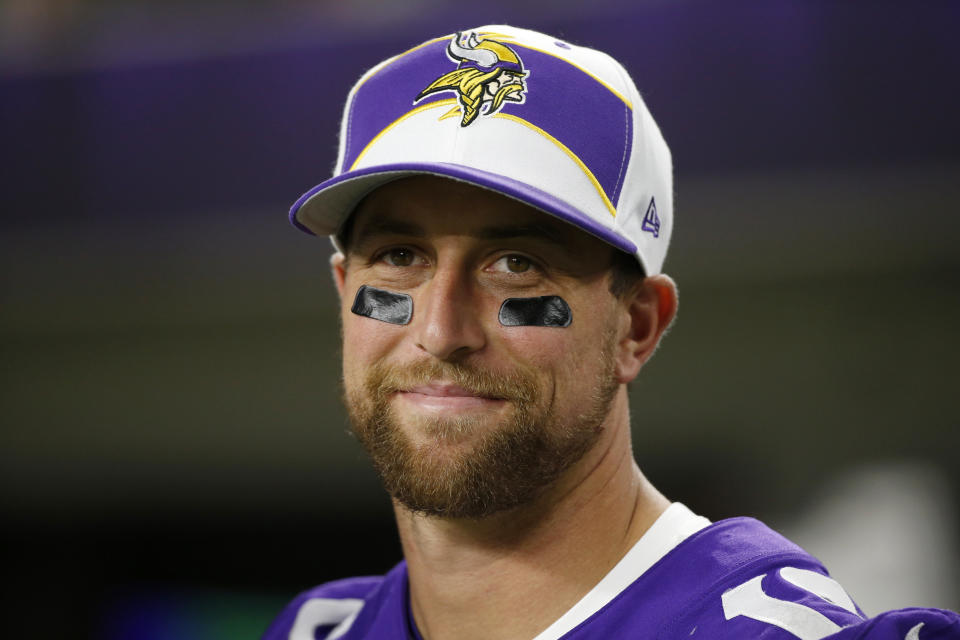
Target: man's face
point(464, 417)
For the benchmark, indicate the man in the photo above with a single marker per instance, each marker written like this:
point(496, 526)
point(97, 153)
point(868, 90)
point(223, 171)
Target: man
point(502, 209)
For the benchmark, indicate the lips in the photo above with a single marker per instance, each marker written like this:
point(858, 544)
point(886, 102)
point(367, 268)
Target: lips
point(444, 391)
point(441, 396)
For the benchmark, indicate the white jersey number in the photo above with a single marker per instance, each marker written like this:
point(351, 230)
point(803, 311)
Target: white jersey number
point(750, 601)
point(318, 612)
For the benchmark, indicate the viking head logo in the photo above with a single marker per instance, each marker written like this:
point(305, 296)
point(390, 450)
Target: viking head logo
point(489, 73)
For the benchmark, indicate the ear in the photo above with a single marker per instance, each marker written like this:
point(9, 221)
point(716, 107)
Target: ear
point(649, 310)
point(339, 271)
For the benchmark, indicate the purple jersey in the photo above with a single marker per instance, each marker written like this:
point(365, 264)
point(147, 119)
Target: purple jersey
point(684, 579)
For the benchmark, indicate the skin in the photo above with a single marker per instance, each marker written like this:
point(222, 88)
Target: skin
point(511, 574)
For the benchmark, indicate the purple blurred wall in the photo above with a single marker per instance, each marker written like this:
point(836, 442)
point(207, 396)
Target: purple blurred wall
point(734, 86)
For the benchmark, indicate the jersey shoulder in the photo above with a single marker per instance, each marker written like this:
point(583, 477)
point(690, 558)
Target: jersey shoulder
point(707, 586)
point(738, 578)
point(765, 586)
point(905, 624)
point(324, 612)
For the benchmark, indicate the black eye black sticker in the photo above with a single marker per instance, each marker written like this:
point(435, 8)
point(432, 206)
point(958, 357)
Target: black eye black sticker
point(386, 306)
point(544, 311)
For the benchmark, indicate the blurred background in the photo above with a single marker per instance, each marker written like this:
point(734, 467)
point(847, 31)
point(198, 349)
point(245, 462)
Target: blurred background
point(174, 455)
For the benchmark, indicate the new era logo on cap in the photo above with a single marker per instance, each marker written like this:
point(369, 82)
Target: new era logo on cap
point(557, 126)
point(651, 221)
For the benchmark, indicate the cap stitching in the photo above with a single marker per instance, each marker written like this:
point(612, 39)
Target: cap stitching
point(627, 114)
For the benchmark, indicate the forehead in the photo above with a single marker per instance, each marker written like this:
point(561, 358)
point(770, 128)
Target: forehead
point(430, 205)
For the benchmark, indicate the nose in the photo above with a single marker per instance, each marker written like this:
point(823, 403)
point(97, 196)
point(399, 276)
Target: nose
point(446, 321)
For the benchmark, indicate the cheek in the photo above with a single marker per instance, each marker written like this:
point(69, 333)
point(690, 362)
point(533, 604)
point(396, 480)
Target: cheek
point(569, 355)
point(565, 361)
point(365, 341)
point(543, 347)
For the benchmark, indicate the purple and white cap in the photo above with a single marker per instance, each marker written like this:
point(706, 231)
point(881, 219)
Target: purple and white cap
point(559, 127)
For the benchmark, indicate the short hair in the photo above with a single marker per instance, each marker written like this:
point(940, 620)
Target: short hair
point(625, 271)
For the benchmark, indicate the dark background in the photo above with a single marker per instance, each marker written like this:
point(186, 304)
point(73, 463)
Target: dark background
point(175, 461)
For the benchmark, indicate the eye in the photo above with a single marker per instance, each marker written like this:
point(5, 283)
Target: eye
point(514, 263)
point(398, 257)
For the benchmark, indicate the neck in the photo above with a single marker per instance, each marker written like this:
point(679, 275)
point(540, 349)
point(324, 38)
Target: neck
point(512, 574)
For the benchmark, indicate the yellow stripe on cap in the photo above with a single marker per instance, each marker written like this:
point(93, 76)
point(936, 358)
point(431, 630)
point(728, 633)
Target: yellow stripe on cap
point(506, 116)
point(423, 107)
point(570, 154)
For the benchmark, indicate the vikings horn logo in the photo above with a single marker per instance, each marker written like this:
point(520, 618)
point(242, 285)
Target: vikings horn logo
point(489, 74)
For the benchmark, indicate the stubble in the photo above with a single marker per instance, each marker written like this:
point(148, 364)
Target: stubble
point(463, 467)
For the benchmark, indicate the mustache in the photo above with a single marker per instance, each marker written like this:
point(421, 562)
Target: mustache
point(517, 385)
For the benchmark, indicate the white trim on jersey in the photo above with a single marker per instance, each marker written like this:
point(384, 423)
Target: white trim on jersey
point(673, 526)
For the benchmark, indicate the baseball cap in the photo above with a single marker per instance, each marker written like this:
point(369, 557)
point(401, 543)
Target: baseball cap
point(554, 125)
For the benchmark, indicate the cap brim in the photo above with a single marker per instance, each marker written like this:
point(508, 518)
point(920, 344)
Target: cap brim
point(323, 209)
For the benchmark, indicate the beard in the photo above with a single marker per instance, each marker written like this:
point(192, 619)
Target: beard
point(467, 467)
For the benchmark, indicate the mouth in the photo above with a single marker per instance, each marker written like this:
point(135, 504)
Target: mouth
point(447, 397)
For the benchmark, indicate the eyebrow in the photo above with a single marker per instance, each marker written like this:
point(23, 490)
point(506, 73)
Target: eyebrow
point(392, 226)
point(387, 227)
point(533, 230)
